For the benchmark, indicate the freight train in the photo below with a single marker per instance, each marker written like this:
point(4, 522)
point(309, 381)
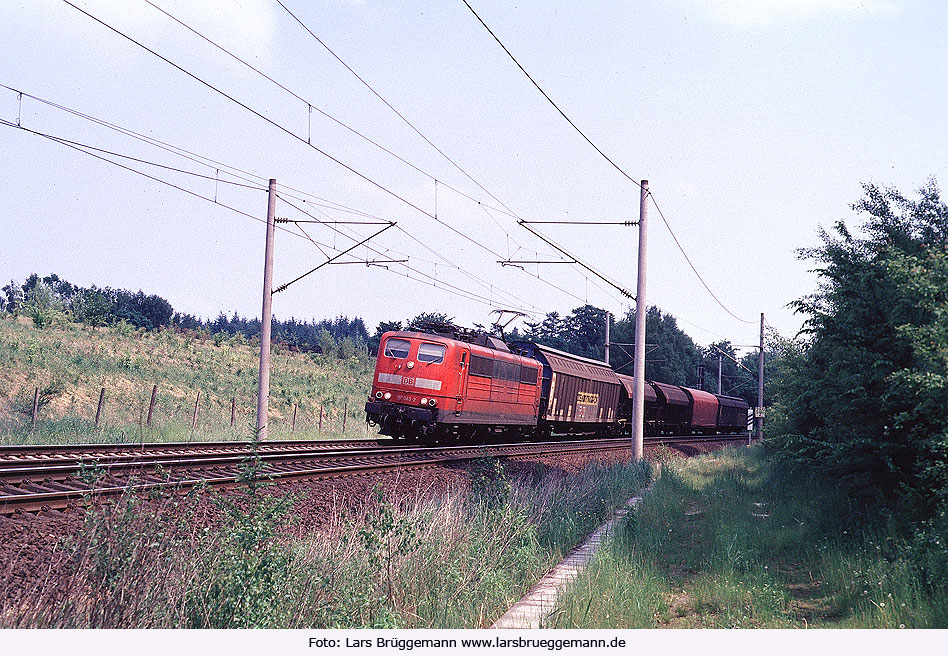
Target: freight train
point(441, 383)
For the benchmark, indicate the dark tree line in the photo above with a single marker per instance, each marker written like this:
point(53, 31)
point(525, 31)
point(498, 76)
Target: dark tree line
point(52, 300)
point(671, 355)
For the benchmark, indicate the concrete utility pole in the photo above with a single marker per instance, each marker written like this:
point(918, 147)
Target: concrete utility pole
point(638, 366)
point(608, 321)
point(719, 374)
point(759, 414)
point(263, 386)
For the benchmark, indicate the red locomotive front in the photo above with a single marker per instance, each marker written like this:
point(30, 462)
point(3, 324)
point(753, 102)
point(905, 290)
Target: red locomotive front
point(429, 385)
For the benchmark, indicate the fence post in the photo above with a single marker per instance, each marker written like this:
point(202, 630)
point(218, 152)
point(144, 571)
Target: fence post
point(141, 429)
point(345, 411)
point(294, 417)
point(98, 411)
point(194, 417)
point(36, 396)
point(151, 405)
point(233, 410)
point(320, 418)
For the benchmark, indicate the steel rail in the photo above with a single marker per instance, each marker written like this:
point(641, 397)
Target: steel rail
point(35, 497)
point(42, 452)
point(38, 496)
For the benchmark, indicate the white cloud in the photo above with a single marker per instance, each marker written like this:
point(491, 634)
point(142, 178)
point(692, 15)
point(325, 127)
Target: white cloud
point(753, 13)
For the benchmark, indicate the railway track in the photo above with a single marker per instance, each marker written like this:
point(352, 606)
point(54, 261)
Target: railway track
point(56, 477)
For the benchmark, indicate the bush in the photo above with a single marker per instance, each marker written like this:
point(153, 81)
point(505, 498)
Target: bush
point(44, 308)
point(863, 400)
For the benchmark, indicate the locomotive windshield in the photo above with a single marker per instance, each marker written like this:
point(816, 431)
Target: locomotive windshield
point(397, 348)
point(431, 353)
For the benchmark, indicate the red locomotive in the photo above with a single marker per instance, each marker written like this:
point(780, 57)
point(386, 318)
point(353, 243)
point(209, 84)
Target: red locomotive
point(435, 385)
point(449, 384)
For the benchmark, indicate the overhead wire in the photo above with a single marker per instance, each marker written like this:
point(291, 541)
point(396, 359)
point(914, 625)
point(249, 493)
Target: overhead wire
point(392, 107)
point(81, 148)
point(253, 111)
point(199, 159)
point(177, 150)
point(283, 128)
point(690, 264)
point(319, 110)
point(311, 106)
point(132, 158)
point(92, 150)
point(603, 154)
point(417, 131)
point(447, 287)
point(467, 274)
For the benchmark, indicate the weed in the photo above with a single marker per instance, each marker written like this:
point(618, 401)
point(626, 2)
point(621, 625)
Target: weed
point(90, 474)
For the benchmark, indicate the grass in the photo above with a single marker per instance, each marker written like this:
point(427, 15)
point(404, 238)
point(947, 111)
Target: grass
point(70, 365)
point(454, 561)
point(728, 540)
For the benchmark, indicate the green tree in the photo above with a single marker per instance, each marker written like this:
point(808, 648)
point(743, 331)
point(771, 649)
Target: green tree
point(91, 307)
point(865, 394)
point(670, 355)
point(549, 332)
point(433, 317)
point(586, 332)
point(43, 307)
point(14, 297)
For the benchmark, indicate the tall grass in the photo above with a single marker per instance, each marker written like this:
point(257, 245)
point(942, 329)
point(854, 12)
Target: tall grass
point(457, 560)
point(729, 540)
point(70, 365)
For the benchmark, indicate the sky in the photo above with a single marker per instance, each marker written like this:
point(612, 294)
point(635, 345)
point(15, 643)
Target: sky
point(755, 123)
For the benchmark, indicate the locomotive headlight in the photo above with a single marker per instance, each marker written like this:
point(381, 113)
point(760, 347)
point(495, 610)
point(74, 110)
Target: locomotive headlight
point(378, 395)
point(424, 401)
point(432, 402)
point(388, 395)
point(410, 365)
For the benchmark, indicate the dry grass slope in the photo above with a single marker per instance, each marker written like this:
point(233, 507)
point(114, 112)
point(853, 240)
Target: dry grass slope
point(71, 364)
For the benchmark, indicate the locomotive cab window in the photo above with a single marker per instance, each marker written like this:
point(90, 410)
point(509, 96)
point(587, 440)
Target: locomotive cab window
point(397, 348)
point(431, 353)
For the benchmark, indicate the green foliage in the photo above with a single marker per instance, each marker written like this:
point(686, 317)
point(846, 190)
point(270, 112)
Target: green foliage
point(43, 307)
point(249, 564)
point(248, 569)
point(433, 317)
point(865, 394)
point(734, 539)
point(13, 298)
point(327, 344)
point(91, 307)
point(671, 355)
point(457, 560)
point(490, 482)
point(71, 364)
point(24, 401)
point(388, 540)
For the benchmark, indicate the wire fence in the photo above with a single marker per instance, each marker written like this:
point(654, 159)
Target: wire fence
point(196, 412)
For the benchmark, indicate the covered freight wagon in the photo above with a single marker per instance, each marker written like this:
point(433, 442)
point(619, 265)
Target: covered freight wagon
point(704, 411)
point(732, 414)
point(625, 404)
point(577, 394)
point(674, 410)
